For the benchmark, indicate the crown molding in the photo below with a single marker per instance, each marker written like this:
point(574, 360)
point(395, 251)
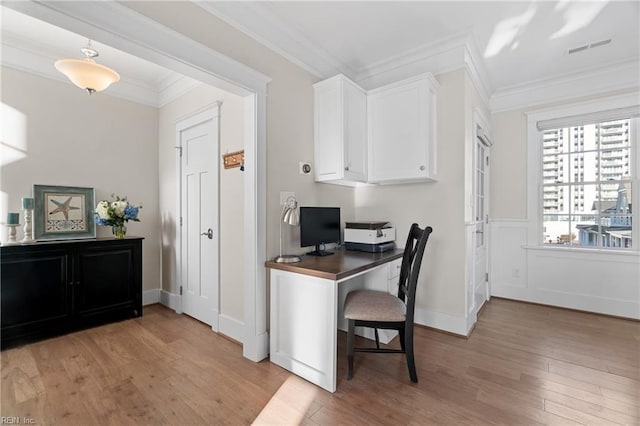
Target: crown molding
point(273, 33)
point(475, 67)
point(174, 86)
point(457, 52)
point(614, 77)
point(432, 53)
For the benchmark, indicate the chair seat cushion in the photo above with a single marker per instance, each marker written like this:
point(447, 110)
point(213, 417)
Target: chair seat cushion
point(369, 305)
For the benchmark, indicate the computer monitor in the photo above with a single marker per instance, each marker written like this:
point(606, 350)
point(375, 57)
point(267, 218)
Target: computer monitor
point(319, 226)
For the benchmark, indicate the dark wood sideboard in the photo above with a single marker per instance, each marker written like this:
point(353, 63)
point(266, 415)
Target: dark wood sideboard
point(51, 288)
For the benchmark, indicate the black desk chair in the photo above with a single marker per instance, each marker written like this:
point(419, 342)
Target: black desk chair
point(381, 310)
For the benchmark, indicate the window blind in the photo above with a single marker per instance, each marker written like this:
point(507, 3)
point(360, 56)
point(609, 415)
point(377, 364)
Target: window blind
point(596, 117)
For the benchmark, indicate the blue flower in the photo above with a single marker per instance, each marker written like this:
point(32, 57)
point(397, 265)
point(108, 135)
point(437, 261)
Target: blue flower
point(130, 212)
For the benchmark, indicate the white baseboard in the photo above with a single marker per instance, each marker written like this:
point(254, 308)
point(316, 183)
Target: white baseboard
point(226, 325)
point(455, 324)
point(169, 300)
point(231, 327)
point(149, 297)
point(581, 302)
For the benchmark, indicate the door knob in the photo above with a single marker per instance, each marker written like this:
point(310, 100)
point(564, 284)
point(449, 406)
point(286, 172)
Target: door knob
point(209, 233)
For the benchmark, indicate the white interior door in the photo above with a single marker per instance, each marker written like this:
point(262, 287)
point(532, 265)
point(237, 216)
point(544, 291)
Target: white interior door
point(198, 138)
point(481, 219)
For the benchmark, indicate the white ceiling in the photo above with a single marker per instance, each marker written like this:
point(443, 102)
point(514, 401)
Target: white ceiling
point(519, 43)
point(33, 45)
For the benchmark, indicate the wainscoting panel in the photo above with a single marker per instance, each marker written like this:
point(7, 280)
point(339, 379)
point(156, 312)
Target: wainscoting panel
point(591, 280)
point(508, 258)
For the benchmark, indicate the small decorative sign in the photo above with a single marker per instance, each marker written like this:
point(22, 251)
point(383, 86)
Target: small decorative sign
point(233, 159)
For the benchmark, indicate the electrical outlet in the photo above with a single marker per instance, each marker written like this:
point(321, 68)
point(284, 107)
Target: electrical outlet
point(284, 196)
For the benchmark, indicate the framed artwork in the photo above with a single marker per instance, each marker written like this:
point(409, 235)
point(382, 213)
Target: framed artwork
point(63, 212)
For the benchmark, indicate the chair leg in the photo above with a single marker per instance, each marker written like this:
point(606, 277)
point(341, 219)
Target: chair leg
point(350, 347)
point(411, 363)
point(377, 338)
point(401, 336)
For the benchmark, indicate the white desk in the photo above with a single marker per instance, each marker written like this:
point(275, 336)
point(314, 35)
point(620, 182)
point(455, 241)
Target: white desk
point(306, 307)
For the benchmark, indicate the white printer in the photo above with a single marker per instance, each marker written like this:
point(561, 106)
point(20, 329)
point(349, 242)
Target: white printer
point(373, 237)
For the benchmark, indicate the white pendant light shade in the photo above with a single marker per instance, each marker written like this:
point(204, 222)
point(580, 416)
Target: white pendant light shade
point(86, 73)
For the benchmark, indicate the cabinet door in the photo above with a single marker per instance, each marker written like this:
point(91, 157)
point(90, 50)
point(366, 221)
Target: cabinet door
point(328, 131)
point(355, 131)
point(340, 131)
point(34, 288)
point(105, 282)
point(399, 137)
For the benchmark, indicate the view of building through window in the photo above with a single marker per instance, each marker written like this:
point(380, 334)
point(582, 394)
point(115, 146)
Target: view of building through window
point(586, 189)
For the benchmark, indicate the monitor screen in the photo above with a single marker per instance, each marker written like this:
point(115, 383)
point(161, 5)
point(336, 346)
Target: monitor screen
point(319, 225)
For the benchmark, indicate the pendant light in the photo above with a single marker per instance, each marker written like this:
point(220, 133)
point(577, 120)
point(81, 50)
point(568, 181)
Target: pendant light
point(86, 73)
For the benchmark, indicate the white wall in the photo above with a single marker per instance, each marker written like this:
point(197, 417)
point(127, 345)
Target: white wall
point(72, 139)
point(289, 107)
point(231, 193)
point(440, 298)
point(591, 280)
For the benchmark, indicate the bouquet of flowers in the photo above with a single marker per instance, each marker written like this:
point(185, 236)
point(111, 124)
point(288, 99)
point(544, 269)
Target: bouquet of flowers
point(116, 213)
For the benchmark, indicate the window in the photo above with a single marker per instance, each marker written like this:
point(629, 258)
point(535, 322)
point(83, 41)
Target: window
point(587, 184)
point(587, 180)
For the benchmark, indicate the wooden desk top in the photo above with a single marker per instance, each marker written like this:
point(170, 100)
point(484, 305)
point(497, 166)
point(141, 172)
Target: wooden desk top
point(338, 266)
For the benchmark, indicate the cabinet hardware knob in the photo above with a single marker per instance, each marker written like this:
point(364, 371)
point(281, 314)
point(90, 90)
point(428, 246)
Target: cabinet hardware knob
point(209, 233)
point(346, 168)
point(421, 167)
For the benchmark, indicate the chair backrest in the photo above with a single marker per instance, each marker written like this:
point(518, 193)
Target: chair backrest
point(411, 263)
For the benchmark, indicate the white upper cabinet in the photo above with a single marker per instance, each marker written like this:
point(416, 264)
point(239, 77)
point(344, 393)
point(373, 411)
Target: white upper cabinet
point(340, 131)
point(402, 131)
point(387, 135)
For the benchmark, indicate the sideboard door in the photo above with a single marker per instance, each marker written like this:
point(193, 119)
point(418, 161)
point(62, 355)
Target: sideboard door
point(35, 293)
point(105, 285)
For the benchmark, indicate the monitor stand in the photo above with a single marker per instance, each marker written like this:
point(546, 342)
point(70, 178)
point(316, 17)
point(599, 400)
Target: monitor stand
point(318, 252)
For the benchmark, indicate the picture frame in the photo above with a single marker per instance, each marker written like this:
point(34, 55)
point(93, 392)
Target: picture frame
point(63, 212)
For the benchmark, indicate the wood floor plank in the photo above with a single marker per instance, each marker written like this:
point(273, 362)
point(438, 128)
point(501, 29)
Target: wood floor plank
point(556, 392)
point(524, 364)
point(576, 415)
point(602, 378)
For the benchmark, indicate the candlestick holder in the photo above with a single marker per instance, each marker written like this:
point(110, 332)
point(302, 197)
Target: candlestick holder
point(28, 229)
point(12, 234)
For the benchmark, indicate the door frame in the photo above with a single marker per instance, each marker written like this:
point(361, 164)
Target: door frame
point(183, 123)
point(127, 30)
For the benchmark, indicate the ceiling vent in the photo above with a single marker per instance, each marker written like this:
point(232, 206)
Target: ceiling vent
point(589, 46)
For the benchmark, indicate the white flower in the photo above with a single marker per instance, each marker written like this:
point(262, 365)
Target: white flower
point(102, 209)
point(118, 208)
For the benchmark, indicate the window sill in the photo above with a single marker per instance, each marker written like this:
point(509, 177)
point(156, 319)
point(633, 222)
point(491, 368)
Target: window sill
point(620, 252)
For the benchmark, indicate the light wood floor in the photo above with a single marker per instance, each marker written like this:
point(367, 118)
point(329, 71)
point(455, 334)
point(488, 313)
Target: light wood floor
point(524, 364)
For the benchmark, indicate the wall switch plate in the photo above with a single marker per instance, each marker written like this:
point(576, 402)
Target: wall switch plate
point(284, 196)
